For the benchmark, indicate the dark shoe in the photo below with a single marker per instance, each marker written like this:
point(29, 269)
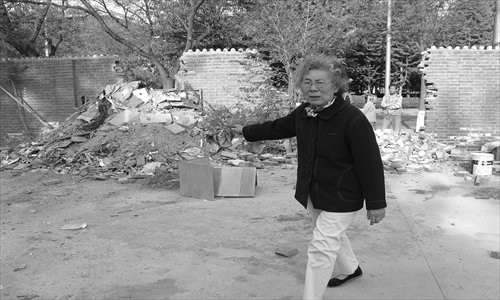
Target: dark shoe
point(334, 282)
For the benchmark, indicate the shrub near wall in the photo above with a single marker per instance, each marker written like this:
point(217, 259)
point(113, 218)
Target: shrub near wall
point(222, 75)
point(53, 87)
point(463, 103)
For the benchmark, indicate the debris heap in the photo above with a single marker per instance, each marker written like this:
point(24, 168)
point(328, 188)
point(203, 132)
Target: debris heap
point(128, 130)
point(410, 151)
point(132, 131)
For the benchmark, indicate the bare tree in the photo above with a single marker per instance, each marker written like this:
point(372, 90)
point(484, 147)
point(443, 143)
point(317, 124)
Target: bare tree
point(23, 40)
point(289, 30)
point(138, 25)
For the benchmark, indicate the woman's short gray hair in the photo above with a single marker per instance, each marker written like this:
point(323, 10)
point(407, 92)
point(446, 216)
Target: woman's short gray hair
point(333, 66)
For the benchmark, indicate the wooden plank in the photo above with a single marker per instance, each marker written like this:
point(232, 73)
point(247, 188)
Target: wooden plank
point(28, 108)
point(196, 179)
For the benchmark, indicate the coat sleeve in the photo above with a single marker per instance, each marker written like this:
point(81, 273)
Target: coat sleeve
point(367, 162)
point(272, 130)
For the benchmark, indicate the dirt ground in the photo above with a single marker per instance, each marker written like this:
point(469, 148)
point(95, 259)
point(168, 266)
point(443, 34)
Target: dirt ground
point(143, 243)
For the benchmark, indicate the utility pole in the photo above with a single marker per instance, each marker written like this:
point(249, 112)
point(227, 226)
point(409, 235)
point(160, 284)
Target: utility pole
point(388, 49)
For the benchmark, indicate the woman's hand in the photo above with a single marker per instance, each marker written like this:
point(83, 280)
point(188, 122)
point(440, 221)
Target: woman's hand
point(238, 129)
point(375, 215)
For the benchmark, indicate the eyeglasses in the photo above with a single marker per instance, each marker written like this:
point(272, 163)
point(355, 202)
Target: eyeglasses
point(319, 85)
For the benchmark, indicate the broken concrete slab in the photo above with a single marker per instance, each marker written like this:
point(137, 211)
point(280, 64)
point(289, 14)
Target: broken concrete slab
point(236, 162)
point(124, 117)
point(155, 117)
point(91, 113)
point(187, 121)
point(228, 154)
point(175, 128)
point(65, 143)
point(278, 159)
point(192, 153)
point(134, 102)
point(142, 94)
point(79, 139)
point(266, 156)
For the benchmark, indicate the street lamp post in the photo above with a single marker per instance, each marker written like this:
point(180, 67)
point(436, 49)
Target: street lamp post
point(496, 37)
point(388, 49)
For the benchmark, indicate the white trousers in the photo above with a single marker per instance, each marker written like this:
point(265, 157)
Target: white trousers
point(329, 250)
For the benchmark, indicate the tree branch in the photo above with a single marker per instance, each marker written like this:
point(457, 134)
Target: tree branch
point(192, 12)
point(65, 6)
point(206, 33)
point(113, 17)
point(39, 22)
point(148, 17)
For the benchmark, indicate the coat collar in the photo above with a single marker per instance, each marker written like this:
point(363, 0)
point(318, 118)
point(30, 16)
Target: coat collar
point(328, 112)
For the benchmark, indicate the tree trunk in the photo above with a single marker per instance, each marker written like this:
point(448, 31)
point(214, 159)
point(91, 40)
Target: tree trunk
point(290, 88)
point(166, 77)
point(423, 92)
point(194, 6)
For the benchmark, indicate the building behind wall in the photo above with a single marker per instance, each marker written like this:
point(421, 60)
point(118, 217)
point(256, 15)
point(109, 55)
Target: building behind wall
point(463, 88)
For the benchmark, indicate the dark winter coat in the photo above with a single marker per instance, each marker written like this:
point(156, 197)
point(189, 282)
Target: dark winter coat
point(339, 162)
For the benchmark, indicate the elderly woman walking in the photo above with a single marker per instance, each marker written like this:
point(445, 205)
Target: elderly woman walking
point(339, 169)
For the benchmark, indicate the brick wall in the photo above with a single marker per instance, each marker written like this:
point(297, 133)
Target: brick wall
point(222, 75)
point(463, 88)
point(53, 87)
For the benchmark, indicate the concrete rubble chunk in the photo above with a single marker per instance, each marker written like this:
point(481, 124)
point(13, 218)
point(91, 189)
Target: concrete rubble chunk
point(140, 160)
point(149, 168)
point(278, 158)
point(175, 128)
point(186, 118)
point(74, 226)
point(65, 143)
point(494, 254)
point(124, 117)
point(52, 182)
point(142, 94)
point(91, 113)
point(286, 251)
point(228, 154)
point(192, 153)
point(134, 102)
point(79, 139)
point(155, 117)
point(236, 162)
point(266, 155)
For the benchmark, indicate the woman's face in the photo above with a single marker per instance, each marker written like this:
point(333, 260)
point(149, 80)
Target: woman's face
point(317, 87)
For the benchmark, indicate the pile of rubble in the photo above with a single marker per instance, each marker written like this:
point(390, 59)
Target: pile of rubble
point(410, 151)
point(128, 129)
point(131, 131)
